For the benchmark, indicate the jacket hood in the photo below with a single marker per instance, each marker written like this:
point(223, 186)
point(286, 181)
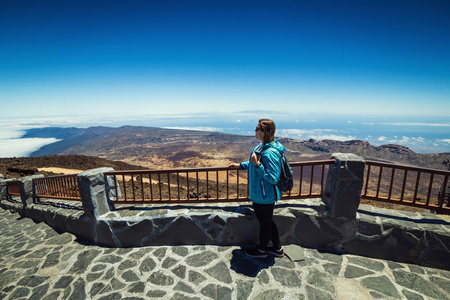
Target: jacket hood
point(275, 144)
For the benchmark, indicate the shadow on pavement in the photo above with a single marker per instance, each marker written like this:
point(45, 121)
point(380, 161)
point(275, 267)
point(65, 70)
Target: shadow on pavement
point(249, 266)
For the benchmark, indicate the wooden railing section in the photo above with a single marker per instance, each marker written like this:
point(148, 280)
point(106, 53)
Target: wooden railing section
point(58, 187)
point(405, 185)
point(213, 184)
point(13, 187)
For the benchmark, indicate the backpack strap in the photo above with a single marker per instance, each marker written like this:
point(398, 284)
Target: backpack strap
point(276, 191)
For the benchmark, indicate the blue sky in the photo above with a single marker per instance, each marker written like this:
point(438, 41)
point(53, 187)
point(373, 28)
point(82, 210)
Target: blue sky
point(81, 58)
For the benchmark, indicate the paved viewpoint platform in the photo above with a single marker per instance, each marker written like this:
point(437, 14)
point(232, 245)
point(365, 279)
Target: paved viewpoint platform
point(36, 262)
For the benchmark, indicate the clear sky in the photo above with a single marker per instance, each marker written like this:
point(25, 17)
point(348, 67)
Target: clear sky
point(81, 57)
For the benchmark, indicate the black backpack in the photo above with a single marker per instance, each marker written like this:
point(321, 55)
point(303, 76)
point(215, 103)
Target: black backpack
point(286, 181)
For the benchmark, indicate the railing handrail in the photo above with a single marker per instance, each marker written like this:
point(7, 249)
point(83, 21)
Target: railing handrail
point(406, 167)
point(55, 176)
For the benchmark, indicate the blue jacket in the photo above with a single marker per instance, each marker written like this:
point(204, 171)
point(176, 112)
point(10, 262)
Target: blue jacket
point(262, 181)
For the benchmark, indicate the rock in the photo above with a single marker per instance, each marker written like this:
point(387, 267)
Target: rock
point(95, 198)
point(26, 189)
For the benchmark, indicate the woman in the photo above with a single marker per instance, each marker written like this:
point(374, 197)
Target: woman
point(264, 169)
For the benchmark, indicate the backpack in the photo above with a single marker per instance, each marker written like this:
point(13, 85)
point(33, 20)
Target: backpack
point(286, 181)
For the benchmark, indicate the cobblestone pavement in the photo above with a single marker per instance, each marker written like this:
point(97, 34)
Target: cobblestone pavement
point(38, 263)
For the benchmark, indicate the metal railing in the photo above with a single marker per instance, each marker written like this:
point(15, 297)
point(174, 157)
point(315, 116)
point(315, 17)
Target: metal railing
point(213, 184)
point(58, 187)
point(405, 185)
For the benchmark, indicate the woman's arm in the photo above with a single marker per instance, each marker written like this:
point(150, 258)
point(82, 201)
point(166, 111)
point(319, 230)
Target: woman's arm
point(244, 165)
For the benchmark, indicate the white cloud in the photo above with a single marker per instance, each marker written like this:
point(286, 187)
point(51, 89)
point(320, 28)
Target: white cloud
point(317, 134)
point(9, 133)
point(417, 124)
point(341, 138)
point(198, 128)
point(447, 141)
point(404, 140)
point(411, 140)
point(22, 147)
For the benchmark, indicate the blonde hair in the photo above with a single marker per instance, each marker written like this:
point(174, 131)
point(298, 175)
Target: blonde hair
point(268, 127)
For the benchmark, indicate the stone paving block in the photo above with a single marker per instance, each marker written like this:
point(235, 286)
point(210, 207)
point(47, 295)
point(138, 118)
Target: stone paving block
point(321, 280)
point(285, 277)
point(215, 291)
point(180, 272)
point(411, 296)
point(315, 293)
point(355, 272)
point(161, 279)
point(381, 284)
point(420, 284)
point(294, 252)
point(332, 269)
point(368, 263)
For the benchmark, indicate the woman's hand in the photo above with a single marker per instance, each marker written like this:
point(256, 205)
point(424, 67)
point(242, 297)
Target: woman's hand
point(256, 159)
point(234, 166)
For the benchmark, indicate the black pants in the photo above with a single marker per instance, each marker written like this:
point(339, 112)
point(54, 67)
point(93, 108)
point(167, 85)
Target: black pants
point(268, 230)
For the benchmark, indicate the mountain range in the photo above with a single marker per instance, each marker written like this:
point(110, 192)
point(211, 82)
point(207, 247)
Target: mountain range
point(159, 148)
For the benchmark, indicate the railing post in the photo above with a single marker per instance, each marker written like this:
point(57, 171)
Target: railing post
point(26, 188)
point(3, 188)
point(342, 193)
point(95, 196)
point(342, 196)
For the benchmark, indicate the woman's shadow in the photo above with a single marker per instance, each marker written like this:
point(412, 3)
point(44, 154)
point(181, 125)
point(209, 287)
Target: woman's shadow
point(249, 266)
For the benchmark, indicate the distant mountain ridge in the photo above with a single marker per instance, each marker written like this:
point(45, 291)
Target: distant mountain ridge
point(167, 148)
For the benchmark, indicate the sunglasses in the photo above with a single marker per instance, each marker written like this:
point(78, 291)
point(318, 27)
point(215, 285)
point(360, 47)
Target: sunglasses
point(258, 128)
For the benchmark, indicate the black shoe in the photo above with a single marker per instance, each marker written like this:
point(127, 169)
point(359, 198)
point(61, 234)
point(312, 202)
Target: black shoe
point(255, 252)
point(275, 252)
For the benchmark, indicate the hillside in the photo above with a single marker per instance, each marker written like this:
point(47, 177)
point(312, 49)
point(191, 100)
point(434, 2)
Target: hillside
point(25, 166)
point(159, 148)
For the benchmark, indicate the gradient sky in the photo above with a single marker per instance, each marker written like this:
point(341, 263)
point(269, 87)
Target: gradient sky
point(61, 58)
